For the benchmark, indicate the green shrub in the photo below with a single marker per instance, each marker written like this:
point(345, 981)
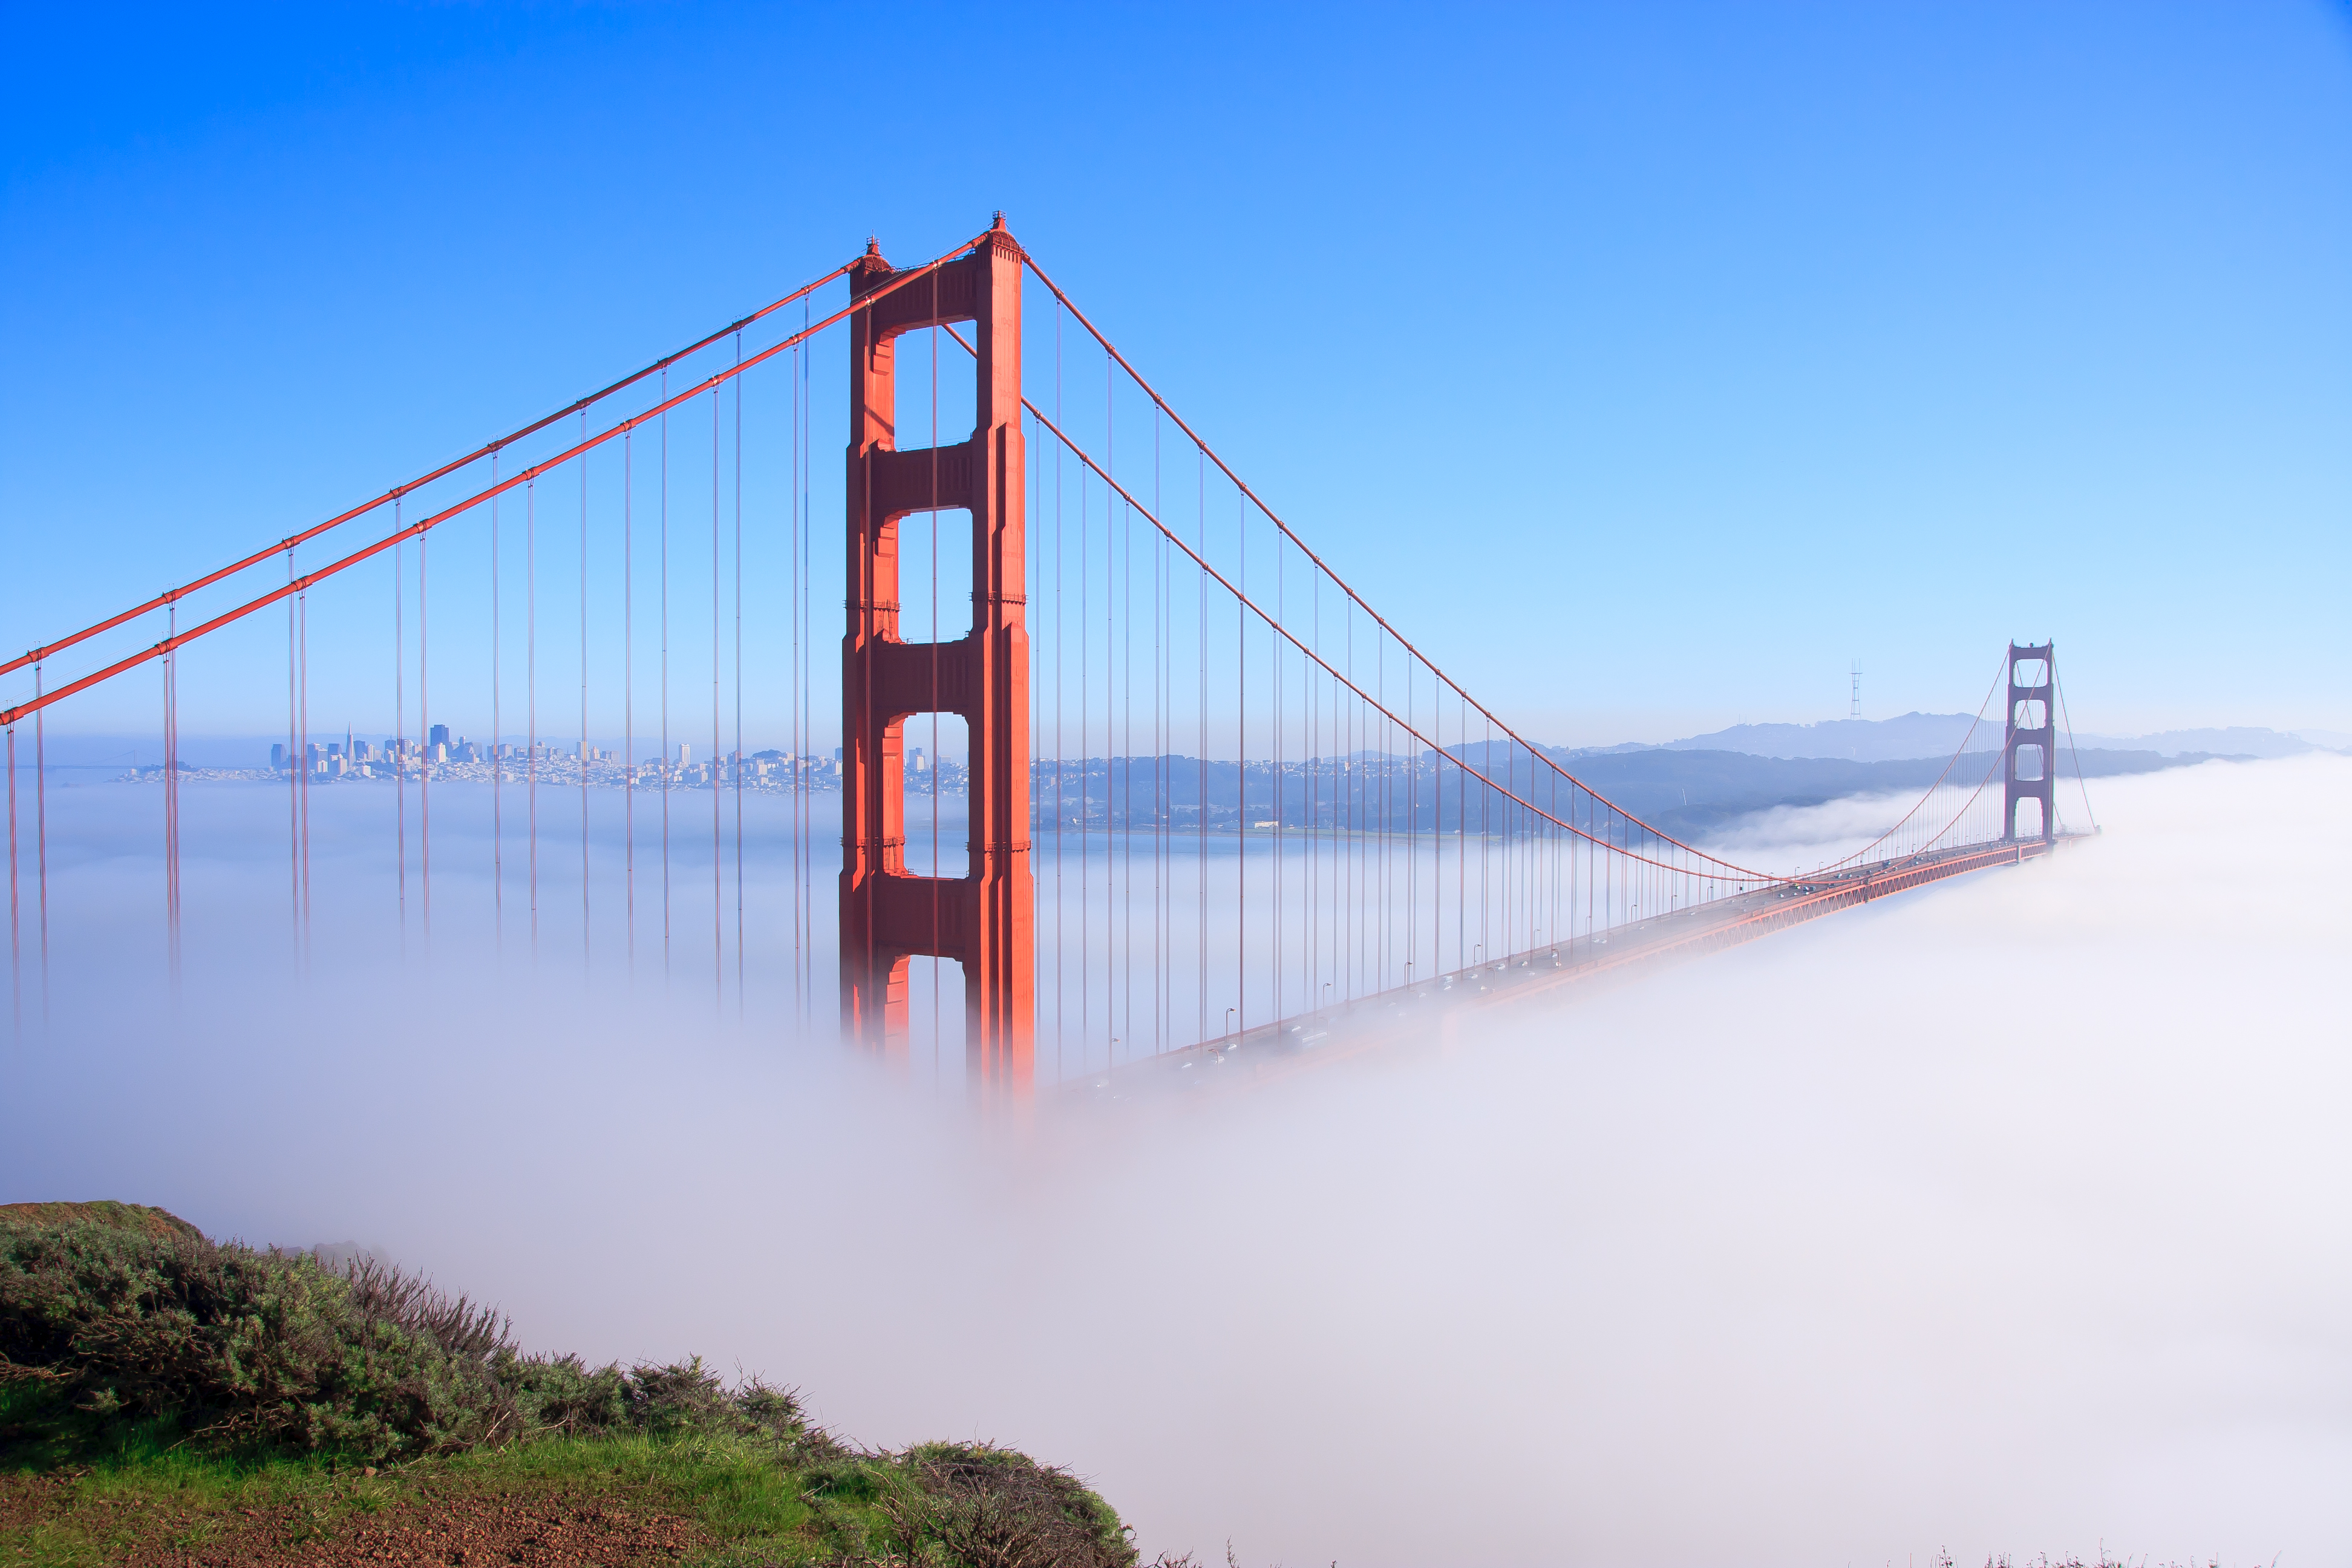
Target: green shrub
point(119, 1344)
point(992, 1507)
point(104, 1212)
point(266, 1350)
point(562, 1393)
point(244, 1348)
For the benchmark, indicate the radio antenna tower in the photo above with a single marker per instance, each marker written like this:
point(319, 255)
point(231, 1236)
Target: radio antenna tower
point(1854, 712)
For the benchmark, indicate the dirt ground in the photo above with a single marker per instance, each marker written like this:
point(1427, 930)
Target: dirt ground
point(468, 1529)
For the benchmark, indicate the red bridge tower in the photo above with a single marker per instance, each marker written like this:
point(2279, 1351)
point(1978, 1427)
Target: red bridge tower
point(2030, 727)
point(985, 918)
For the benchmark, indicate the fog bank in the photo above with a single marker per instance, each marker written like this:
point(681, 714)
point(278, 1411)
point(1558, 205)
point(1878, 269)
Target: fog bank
point(2011, 1215)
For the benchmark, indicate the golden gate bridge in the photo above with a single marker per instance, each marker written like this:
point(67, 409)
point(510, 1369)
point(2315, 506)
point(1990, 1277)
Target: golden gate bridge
point(1213, 801)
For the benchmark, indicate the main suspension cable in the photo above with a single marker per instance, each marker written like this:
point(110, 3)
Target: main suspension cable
point(423, 525)
point(397, 491)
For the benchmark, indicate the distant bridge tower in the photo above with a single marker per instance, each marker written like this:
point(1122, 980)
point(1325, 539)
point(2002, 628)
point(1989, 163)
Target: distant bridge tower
point(985, 920)
point(2030, 733)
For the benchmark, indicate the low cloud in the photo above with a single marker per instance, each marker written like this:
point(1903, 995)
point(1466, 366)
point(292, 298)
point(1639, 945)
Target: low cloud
point(2006, 1217)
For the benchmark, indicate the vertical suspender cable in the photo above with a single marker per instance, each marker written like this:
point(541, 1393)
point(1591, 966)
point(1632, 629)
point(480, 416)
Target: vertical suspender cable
point(424, 772)
point(302, 617)
point(1059, 811)
point(585, 924)
point(718, 876)
point(1560, 846)
point(628, 707)
point(1031, 582)
point(1412, 837)
point(1086, 797)
point(1112, 764)
point(40, 834)
point(793, 697)
point(1128, 1035)
point(2068, 720)
point(664, 767)
point(497, 735)
point(1119, 744)
point(399, 725)
point(1127, 743)
point(171, 811)
point(294, 765)
point(16, 943)
point(739, 680)
point(932, 635)
point(531, 691)
point(807, 665)
point(1158, 758)
point(1590, 880)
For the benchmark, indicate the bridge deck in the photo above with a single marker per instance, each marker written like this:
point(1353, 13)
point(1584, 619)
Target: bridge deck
point(1433, 1010)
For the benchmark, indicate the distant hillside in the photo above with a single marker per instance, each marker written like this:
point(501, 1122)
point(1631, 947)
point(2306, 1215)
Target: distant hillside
point(1686, 793)
point(1915, 735)
point(2237, 741)
point(1680, 790)
point(1853, 740)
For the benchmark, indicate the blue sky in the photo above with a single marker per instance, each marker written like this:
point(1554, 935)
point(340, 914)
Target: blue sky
point(1647, 363)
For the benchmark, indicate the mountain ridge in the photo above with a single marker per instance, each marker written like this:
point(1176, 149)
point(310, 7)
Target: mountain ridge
point(1913, 736)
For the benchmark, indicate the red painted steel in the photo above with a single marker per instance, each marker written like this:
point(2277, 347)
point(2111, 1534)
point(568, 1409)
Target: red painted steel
point(2016, 791)
point(985, 920)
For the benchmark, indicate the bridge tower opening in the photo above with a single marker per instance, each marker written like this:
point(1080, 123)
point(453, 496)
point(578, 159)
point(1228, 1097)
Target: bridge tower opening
point(2028, 765)
point(985, 920)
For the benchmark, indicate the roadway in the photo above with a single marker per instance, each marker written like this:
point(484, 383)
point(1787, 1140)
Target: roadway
point(1432, 1012)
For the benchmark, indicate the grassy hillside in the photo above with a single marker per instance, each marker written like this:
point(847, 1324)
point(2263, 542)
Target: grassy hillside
point(167, 1399)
